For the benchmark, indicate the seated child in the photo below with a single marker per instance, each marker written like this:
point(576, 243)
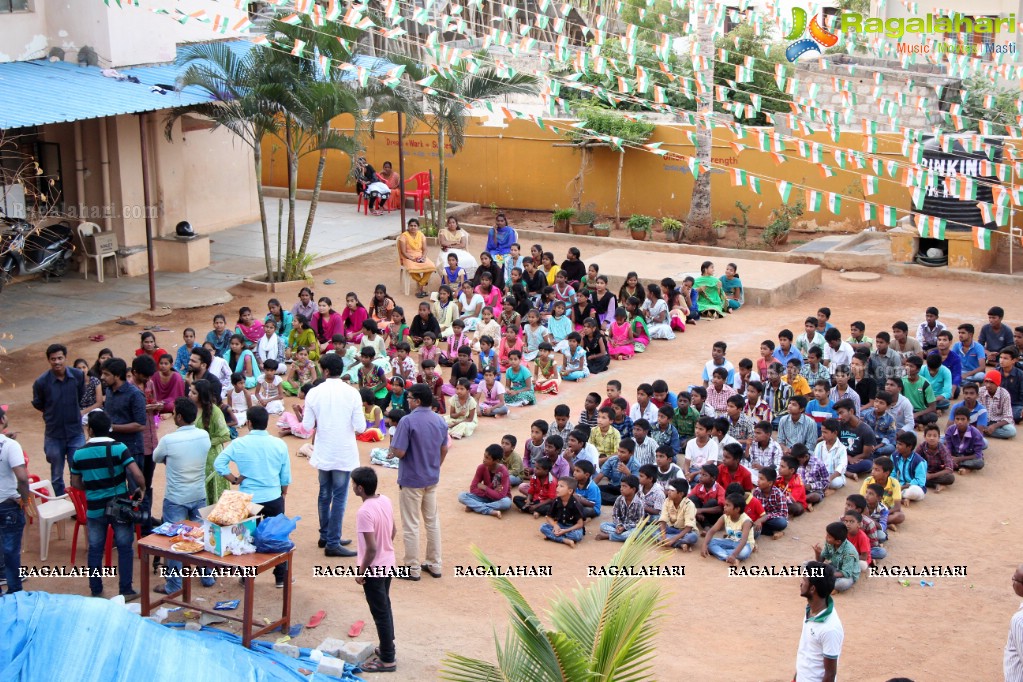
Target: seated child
point(738, 542)
point(614, 469)
point(587, 493)
point(241, 399)
point(375, 426)
point(588, 415)
point(290, 423)
point(882, 423)
point(488, 492)
point(684, 419)
point(606, 439)
point(664, 432)
point(491, 395)
point(269, 393)
point(302, 371)
point(545, 370)
point(754, 510)
point(488, 355)
point(511, 459)
point(565, 518)
point(534, 446)
point(776, 510)
point(651, 491)
point(380, 456)
point(965, 442)
point(708, 496)
point(518, 382)
point(840, 553)
point(832, 452)
point(880, 474)
point(540, 492)
point(731, 469)
point(397, 398)
point(626, 514)
point(458, 338)
point(940, 467)
point(677, 522)
point(371, 376)
point(857, 538)
point(701, 449)
point(574, 367)
point(821, 407)
point(795, 379)
point(461, 418)
point(435, 381)
point(791, 486)
point(909, 468)
point(666, 467)
point(764, 450)
point(646, 447)
point(868, 525)
point(622, 422)
point(877, 510)
point(813, 473)
point(511, 340)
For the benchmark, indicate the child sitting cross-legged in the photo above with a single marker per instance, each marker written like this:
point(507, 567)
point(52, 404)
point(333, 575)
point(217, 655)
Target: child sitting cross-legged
point(614, 469)
point(881, 474)
point(813, 473)
point(540, 491)
point(776, 510)
point(461, 418)
point(512, 460)
point(791, 485)
point(753, 509)
point(666, 467)
point(940, 468)
point(565, 518)
point(877, 510)
point(587, 493)
point(708, 496)
point(651, 491)
point(858, 503)
point(738, 542)
point(626, 514)
point(840, 553)
point(853, 521)
point(488, 493)
point(677, 522)
point(909, 468)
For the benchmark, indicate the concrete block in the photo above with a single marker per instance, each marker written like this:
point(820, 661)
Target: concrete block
point(332, 667)
point(287, 649)
point(331, 646)
point(356, 652)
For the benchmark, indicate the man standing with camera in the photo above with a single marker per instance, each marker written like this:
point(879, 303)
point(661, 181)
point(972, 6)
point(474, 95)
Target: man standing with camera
point(100, 469)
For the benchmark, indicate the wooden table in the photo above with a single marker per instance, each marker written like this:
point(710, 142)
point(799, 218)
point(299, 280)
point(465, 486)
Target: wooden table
point(250, 565)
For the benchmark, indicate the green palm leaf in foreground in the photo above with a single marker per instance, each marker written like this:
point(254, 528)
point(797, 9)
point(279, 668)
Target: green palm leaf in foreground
point(600, 632)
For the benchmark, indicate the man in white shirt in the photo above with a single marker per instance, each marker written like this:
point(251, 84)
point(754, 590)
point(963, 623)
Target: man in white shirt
point(334, 409)
point(820, 643)
point(837, 353)
point(1012, 661)
point(16, 503)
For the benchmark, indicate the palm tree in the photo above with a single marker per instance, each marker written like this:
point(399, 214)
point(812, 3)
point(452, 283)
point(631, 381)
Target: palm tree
point(456, 90)
point(238, 88)
point(698, 222)
point(601, 632)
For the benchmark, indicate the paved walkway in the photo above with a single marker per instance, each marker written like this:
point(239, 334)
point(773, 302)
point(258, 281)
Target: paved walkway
point(31, 311)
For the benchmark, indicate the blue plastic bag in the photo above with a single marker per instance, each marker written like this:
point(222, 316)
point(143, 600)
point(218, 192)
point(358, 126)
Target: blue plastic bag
point(273, 535)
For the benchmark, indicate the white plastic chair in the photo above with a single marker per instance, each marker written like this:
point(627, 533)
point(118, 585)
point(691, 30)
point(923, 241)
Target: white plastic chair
point(405, 278)
point(55, 510)
point(86, 230)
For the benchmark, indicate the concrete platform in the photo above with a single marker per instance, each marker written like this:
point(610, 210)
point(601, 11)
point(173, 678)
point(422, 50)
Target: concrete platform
point(766, 283)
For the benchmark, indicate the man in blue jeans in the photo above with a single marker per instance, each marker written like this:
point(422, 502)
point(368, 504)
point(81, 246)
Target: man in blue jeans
point(57, 393)
point(100, 469)
point(16, 503)
point(184, 453)
point(264, 470)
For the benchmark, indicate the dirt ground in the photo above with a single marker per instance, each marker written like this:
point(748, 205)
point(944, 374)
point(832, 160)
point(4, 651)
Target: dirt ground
point(724, 628)
point(541, 220)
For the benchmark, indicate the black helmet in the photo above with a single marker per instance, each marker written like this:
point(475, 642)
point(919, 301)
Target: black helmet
point(184, 229)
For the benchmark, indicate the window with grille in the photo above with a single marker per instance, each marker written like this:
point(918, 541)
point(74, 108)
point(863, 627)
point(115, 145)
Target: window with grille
point(973, 40)
point(10, 6)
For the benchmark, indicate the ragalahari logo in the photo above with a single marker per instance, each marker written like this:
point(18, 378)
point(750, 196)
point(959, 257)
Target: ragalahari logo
point(820, 36)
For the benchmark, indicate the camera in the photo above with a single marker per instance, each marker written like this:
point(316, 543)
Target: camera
point(127, 510)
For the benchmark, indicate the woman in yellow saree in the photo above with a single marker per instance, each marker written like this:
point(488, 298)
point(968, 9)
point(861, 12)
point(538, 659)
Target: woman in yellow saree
point(412, 255)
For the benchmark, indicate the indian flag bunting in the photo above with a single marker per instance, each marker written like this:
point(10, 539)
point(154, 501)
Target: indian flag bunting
point(889, 216)
point(919, 195)
point(738, 177)
point(1017, 195)
point(754, 184)
point(982, 238)
point(826, 171)
point(814, 200)
point(694, 167)
point(778, 158)
point(931, 227)
point(784, 190)
point(868, 211)
point(870, 185)
point(834, 203)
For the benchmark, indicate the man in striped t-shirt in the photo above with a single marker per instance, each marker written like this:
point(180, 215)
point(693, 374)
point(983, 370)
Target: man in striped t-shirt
point(99, 469)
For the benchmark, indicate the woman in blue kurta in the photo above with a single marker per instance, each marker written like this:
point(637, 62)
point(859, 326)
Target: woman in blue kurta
point(499, 242)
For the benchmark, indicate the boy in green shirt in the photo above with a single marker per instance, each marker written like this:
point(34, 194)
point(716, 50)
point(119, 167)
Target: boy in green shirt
point(919, 393)
point(685, 418)
point(841, 554)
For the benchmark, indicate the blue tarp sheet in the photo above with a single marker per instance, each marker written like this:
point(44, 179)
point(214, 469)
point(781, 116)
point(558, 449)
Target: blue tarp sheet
point(67, 637)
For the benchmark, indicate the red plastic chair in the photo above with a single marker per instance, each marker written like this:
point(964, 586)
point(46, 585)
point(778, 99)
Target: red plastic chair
point(363, 204)
point(81, 512)
point(421, 192)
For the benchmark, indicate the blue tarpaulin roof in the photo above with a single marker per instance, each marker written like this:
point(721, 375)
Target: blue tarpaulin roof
point(39, 92)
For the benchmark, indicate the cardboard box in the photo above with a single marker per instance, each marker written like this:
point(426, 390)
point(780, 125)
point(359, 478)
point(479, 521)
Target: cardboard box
point(213, 534)
point(103, 242)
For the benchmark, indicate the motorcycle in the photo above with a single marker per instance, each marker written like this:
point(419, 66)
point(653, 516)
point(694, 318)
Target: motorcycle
point(25, 250)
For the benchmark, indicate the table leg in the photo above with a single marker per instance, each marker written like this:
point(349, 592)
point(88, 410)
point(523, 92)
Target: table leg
point(286, 609)
point(186, 584)
point(250, 585)
point(143, 562)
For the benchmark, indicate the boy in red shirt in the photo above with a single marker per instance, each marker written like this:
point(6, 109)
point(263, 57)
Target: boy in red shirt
point(543, 488)
point(732, 471)
point(708, 496)
point(852, 520)
point(791, 486)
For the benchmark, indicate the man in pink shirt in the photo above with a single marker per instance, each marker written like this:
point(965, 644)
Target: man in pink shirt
point(374, 524)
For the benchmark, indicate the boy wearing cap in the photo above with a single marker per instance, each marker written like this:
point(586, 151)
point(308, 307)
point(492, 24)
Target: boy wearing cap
point(996, 401)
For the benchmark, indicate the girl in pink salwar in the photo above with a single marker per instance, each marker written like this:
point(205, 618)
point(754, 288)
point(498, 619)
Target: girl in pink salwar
point(620, 343)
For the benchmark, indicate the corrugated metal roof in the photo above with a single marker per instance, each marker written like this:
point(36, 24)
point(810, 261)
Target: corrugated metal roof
point(39, 92)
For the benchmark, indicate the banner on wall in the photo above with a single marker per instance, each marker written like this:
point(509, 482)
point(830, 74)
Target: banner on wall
point(958, 179)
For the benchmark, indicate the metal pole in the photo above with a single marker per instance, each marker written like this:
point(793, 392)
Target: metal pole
point(149, 218)
point(401, 168)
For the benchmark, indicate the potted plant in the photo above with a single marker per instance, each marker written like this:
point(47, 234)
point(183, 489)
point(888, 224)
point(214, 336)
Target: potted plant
point(430, 231)
point(582, 221)
point(672, 228)
point(562, 217)
point(640, 226)
point(777, 231)
point(602, 230)
point(720, 227)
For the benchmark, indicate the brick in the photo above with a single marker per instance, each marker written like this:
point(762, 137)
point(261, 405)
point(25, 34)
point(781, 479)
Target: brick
point(356, 652)
point(332, 647)
point(287, 649)
point(332, 667)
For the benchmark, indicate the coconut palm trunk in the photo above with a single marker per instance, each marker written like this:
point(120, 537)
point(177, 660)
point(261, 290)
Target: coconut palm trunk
point(315, 200)
point(699, 221)
point(257, 160)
